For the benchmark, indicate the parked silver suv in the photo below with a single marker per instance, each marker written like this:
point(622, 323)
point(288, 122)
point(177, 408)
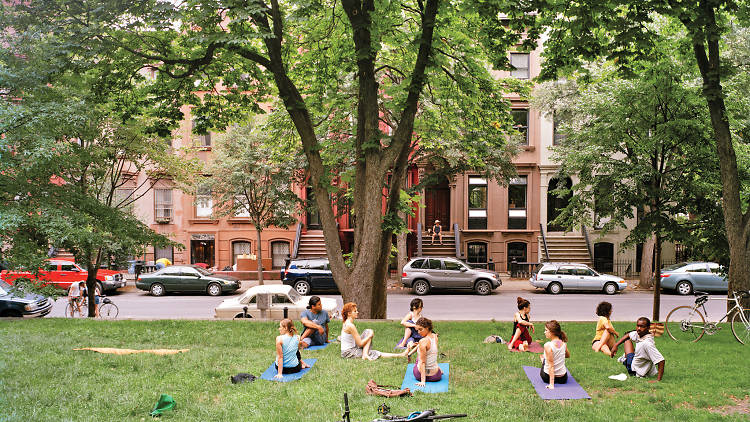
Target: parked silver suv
point(427, 273)
point(558, 276)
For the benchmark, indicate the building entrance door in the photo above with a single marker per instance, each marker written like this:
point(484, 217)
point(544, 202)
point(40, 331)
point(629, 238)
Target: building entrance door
point(438, 205)
point(202, 250)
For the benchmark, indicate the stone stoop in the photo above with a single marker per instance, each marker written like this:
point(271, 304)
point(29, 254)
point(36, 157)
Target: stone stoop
point(448, 248)
point(312, 245)
point(569, 248)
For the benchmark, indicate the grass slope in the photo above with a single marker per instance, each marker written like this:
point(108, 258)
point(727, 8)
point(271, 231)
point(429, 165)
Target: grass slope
point(43, 379)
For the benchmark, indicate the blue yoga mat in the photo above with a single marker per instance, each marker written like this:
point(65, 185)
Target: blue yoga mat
point(430, 387)
point(318, 347)
point(571, 390)
point(271, 372)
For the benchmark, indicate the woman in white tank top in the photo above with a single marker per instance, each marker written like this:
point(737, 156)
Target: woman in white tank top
point(426, 368)
point(355, 346)
point(555, 352)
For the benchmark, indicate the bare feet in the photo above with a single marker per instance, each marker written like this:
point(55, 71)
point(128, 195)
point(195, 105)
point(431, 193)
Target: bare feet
point(304, 365)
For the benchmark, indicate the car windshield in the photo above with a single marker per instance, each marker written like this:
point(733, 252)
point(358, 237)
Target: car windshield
point(294, 296)
point(674, 266)
point(201, 271)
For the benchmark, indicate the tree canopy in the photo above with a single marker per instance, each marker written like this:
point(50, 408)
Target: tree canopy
point(377, 79)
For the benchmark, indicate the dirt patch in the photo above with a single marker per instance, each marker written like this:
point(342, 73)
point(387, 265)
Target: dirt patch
point(741, 407)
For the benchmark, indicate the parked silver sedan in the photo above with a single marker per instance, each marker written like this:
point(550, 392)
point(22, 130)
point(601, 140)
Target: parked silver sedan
point(558, 276)
point(686, 277)
point(425, 274)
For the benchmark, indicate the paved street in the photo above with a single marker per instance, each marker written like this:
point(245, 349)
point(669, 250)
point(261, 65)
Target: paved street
point(500, 306)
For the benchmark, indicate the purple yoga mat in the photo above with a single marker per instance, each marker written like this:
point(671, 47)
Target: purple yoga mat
point(571, 390)
point(534, 347)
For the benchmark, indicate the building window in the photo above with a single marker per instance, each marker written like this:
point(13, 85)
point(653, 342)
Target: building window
point(521, 124)
point(242, 209)
point(279, 253)
point(477, 203)
point(204, 204)
point(167, 252)
point(516, 254)
point(517, 203)
point(239, 248)
point(163, 205)
point(520, 61)
point(557, 137)
point(203, 140)
point(476, 254)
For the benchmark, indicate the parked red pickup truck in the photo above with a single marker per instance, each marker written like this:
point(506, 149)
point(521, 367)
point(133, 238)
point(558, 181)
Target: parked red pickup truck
point(61, 274)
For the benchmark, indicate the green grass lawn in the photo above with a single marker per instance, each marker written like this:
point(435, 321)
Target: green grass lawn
point(43, 379)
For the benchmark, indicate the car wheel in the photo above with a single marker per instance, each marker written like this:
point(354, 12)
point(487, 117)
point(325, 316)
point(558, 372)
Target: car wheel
point(610, 288)
point(157, 289)
point(483, 287)
point(684, 288)
point(302, 287)
point(421, 287)
point(242, 316)
point(214, 289)
point(554, 288)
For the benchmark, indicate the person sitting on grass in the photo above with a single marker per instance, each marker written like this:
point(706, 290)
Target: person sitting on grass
point(315, 324)
point(409, 322)
point(606, 335)
point(426, 369)
point(355, 346)
point(641, 357)
point(288, 359)
point(520, 337)
point(555, 352)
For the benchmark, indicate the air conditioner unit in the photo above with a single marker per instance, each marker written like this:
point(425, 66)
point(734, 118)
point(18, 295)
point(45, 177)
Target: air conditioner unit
point(163, 220)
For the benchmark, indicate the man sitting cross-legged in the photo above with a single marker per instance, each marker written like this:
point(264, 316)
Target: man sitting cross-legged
point(641, 357)
point(315, 321)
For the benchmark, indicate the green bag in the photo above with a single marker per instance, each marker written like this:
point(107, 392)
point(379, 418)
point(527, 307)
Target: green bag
point(166, 402)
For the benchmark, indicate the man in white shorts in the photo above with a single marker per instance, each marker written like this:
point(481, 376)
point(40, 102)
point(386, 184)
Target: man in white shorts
point(641, 357)
point(74, 297)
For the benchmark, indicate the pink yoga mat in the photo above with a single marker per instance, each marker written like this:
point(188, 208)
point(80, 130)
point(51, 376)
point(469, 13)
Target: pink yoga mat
point(534, 347)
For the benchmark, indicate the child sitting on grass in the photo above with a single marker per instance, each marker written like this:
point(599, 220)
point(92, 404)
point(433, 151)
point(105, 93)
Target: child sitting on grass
point(409, 322)
point(520, 337)
point(604, 340)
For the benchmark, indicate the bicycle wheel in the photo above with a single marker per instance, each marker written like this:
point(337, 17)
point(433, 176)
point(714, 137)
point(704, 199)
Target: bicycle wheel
point(685, 324)
point(740, 328)
point(108, 311)
point(74, 311)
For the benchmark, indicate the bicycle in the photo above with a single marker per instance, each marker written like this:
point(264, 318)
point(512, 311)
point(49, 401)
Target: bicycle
point(107, 309)
point(425, 415)
point(686, 323)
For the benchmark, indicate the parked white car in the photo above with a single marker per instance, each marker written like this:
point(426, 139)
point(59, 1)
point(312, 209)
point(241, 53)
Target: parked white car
point(558, 276)
point(282, 296)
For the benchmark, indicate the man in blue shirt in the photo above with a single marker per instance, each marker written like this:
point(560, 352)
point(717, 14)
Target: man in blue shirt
point(315, 321)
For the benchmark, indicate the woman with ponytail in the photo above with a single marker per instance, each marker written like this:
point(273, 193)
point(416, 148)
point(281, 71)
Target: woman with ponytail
point(288, 359)
point(520, 337)
point(555, 352)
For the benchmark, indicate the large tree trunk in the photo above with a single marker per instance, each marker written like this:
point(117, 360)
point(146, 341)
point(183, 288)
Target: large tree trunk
point(657, 280)
point(93, 260)
point(647, 263)
point(738, 229)
point(259, 256)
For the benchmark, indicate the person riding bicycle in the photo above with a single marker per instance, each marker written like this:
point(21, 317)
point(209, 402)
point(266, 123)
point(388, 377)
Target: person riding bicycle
point(641, 357)
point(74, 297)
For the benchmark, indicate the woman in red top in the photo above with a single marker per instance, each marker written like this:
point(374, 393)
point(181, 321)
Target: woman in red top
point(521, 338)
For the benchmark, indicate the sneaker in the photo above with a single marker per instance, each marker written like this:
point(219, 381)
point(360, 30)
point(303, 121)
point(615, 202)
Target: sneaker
point(618, 377)
point(621, 359)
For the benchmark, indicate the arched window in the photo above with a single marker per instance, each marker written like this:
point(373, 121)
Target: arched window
point(516, 253)
point(604, 257)
point(476, 254)
point(279, 253)
point(240, 247)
